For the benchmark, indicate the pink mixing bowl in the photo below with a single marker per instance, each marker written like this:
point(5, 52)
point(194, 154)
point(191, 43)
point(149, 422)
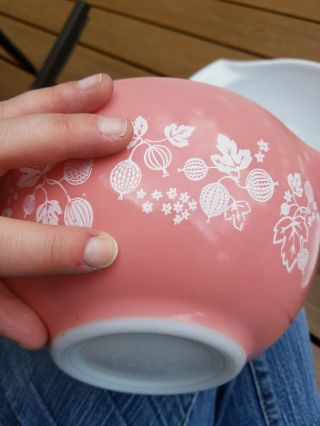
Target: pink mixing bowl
point(214, 210)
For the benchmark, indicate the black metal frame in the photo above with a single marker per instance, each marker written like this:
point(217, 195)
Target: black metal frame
point(60, 52)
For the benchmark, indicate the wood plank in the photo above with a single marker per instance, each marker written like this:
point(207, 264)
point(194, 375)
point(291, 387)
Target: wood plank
point(312, 306)
point(256, 31)
point(13, 80)
point(316, 357)
point(305, 9)
point(158, 50)
point(4, 54)
point(36, 45)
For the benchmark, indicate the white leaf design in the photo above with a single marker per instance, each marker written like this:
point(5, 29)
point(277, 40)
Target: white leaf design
point(29, 204)
point(178, 136)
point(140, 128)
point(303, 258)
point(308, 191)
point(237, 212)
point(294, 180)
point(77, 171)
point(7, 212)
point(48, 212)
point(291, 232)
point(30, 177)
point(78, 213)
point(231, 159)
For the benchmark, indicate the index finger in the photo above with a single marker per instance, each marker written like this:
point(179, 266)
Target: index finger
point(87, 95)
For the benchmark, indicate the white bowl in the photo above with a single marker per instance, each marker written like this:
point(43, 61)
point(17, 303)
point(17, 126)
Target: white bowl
point(289, 88)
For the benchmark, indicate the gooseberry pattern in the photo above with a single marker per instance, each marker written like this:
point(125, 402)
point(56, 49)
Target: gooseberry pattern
point(235, 170)
point(126, 175)
point(260, 185)
point(215, 198)
point(298, 212)
point(76, 211)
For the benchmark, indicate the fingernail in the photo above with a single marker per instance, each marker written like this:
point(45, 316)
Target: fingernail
point(113, 126)
point(90, 82)
point(100, 251)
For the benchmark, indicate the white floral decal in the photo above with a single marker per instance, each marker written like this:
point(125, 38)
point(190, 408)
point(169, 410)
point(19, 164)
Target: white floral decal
point(77, 211)
point(177, 206)
point(126, 176)
point(298, 213)
point(215, 198)
point(263, 148)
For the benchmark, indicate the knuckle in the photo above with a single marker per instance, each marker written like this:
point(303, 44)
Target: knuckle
point(64, 129)
point(6, 129)
point(54, 249)
point(63, 124)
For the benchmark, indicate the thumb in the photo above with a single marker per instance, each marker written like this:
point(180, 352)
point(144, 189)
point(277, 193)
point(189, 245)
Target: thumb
point(19, 322)
point(33, 249)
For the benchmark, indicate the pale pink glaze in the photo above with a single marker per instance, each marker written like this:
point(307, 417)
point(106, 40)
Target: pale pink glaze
point(206, 273)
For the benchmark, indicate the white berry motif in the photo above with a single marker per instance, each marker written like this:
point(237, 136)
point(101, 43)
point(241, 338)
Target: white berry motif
point(76, 211)
point(297, 216)
point(215, 198)
point(125, 177)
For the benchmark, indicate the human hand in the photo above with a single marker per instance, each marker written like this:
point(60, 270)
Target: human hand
point(48, 126)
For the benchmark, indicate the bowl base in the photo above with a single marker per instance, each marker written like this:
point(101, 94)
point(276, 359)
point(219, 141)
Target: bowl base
point(148, 355)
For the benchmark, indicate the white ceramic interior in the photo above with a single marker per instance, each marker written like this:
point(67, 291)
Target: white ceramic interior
point(289, 88)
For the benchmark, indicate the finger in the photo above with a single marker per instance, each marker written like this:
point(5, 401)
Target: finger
point(34, 249)
point(41, 138)
point(87, 95)
point(19, 322)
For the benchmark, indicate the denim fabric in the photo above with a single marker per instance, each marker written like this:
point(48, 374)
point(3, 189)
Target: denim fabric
point(277, 388)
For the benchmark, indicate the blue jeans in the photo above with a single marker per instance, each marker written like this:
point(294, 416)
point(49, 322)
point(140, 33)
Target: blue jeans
point(278, 388)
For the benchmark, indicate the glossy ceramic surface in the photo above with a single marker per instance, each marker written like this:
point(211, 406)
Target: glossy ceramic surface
point(289, 88)
point(214, 205)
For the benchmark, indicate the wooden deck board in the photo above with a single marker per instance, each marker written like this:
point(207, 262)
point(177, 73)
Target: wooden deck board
point(157, 50)
point(304, 9)
point(253, 30)
point(173, 38)
point(13, 80)
point(36, 45)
